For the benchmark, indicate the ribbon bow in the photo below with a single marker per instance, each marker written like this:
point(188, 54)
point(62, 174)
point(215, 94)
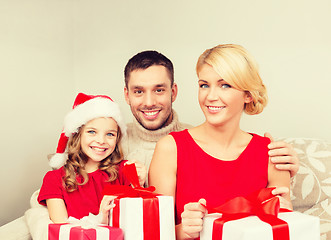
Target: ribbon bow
point(87, 222)
point(121, 191)
point(261, 203)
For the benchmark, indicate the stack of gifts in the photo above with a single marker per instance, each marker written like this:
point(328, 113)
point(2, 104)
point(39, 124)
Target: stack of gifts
point(85, 228)
point(139, 212)
point(258, 216)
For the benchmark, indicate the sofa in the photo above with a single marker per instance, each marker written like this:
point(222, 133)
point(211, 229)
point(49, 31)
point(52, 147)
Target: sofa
point(310, 193)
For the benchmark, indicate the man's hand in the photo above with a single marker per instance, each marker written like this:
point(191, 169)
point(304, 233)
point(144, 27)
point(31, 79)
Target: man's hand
point(283, 155)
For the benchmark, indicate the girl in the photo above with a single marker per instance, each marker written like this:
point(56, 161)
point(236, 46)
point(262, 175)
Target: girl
point(92, 133)
point(217, 161)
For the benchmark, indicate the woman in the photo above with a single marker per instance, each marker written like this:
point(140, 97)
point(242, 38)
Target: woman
point(217, 161)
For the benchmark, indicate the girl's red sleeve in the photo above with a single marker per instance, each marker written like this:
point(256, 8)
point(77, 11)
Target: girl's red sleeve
point(52, 186)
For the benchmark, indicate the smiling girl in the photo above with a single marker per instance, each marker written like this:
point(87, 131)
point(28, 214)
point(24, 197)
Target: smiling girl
point(92, 134)
point(217, 160)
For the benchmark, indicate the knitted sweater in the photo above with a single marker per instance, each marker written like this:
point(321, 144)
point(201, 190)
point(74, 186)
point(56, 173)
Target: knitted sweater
point(139, 143)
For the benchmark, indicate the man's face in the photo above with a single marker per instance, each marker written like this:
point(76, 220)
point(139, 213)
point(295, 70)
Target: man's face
point(150, 96)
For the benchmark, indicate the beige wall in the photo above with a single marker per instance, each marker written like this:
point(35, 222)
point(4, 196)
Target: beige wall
point(52, 49)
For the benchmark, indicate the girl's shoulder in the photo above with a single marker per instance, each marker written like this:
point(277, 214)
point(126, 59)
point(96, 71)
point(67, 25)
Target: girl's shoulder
point(55, 173)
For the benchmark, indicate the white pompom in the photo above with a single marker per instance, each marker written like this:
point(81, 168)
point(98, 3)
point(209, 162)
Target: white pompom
point(58, 160)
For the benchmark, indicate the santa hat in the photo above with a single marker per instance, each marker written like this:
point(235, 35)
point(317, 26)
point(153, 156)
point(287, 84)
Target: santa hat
point(85, 108)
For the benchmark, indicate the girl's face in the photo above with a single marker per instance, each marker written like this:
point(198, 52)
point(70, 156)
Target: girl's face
point(98, 139)
point(219, 101)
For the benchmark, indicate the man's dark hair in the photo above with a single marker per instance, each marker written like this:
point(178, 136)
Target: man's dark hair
point(144, 60)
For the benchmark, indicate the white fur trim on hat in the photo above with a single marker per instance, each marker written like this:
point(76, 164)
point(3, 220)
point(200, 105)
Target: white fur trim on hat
point(91, 109)
point(85, 109)
point(58, 160)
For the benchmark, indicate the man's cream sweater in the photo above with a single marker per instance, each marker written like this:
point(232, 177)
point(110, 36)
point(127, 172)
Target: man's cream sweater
point(139, 144)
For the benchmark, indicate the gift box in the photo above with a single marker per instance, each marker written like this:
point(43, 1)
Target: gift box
point(145, 218)
point(301, 227)
point(258, 216)
point(68, 231)
point(141, 213)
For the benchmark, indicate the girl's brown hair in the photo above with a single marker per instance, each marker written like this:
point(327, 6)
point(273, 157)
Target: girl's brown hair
point(77, 159)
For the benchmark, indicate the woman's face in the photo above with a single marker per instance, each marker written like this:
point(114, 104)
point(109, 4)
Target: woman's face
point(221, 103)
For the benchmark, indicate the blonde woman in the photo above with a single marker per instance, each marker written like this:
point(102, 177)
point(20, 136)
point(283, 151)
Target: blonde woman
point(217, 160)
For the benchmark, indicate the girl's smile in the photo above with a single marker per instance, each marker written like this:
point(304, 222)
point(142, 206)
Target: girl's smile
point(98, 140)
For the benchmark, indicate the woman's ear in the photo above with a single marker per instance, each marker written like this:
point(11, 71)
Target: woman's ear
point(248, 97)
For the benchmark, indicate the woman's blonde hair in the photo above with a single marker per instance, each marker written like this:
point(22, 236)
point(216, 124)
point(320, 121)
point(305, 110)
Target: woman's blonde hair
point(77, 159)
point(237, 67)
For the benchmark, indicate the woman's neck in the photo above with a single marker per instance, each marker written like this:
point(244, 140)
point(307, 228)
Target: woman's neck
point(221, 142)
point(224, 135)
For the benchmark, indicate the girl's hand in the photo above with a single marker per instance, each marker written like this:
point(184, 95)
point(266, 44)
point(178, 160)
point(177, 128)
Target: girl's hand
point(141, 171)
point(105, 206)
point(192, 219)
point(282, 193)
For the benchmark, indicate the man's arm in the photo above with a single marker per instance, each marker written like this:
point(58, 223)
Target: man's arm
point(283, 155)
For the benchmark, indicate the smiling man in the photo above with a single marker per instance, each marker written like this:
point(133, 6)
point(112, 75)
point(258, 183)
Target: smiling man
point(150, 91)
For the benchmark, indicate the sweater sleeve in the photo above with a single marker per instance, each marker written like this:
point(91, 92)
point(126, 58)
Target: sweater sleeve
point(52, 187)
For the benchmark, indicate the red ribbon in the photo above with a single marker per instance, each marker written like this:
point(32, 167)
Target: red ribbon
point(261, 203)
point(150, 202)
point(121, 191)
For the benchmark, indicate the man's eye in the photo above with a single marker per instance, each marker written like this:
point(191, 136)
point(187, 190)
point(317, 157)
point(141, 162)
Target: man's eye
point(159, 90)
point(138, 92)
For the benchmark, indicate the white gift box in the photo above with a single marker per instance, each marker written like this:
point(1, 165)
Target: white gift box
point(301, 227)
point(132, 214)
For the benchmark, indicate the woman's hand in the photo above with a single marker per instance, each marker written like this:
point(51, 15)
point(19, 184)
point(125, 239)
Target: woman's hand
point(283, 194)
point(105, 206)
point(192, 220)
point(141, 171)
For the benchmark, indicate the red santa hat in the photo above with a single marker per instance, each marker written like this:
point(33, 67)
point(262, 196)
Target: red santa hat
point(85, 109)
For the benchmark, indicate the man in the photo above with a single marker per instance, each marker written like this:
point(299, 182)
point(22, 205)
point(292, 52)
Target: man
point(150, 91)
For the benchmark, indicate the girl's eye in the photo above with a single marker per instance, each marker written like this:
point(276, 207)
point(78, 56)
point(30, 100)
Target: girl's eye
point(226, 86)
point(203, 86)
point(110, 134)
point(91, 132)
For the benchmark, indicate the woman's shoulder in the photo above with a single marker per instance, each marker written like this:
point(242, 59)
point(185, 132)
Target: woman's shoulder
point(260, 138)
point(178, 133)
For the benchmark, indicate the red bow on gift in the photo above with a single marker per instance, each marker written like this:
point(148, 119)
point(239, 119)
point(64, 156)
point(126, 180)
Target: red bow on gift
point(261, 203)
point(130, 171)
point(150, 202)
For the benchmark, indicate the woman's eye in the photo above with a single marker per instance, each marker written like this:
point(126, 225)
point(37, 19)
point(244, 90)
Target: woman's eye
point(226, 86)
point(203, 86)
